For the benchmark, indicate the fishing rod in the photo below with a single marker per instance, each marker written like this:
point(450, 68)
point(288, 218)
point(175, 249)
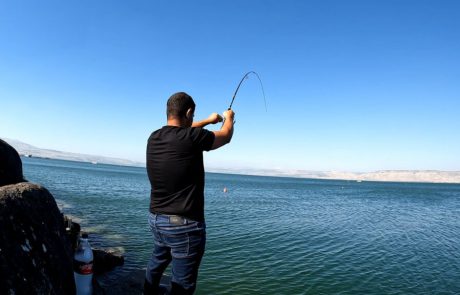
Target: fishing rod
point(238, 88)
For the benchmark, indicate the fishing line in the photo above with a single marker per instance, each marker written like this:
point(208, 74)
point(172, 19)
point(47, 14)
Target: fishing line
point(244, 78)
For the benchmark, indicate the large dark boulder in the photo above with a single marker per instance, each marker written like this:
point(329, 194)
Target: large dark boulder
point(106, 260)
point(10, 165)
point(35, 253)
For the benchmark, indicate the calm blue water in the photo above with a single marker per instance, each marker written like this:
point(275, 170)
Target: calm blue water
point(272, 235)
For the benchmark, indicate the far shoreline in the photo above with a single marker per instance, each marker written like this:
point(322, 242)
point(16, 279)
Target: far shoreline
point(358, 177)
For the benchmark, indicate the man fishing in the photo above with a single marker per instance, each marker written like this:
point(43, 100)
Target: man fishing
point(176, 173)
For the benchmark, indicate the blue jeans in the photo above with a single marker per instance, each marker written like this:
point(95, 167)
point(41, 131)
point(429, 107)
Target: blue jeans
point(180, 241)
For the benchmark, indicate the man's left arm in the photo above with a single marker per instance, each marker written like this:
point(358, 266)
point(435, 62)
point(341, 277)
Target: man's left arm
point(212, 119)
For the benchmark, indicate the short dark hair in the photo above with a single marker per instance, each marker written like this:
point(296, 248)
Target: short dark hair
point(178, 104)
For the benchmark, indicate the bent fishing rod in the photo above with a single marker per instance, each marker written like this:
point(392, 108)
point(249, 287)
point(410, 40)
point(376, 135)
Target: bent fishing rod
point(238, 88)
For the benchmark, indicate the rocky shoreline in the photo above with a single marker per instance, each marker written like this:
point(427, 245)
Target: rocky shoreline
point(105, 260)
point(37, 242)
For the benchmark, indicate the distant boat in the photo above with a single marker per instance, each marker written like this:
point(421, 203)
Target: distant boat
point(28, 155)
point(93, 162)
point(358, 180)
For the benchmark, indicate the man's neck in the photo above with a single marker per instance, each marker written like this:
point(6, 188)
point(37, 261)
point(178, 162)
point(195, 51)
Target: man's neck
point(177, 122)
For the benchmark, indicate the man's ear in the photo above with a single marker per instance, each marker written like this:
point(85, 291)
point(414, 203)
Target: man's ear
point(189, 114)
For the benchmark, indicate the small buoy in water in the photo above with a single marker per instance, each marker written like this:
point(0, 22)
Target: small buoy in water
point(225, 189)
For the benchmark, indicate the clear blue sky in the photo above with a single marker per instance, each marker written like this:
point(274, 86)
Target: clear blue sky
point(350, 85)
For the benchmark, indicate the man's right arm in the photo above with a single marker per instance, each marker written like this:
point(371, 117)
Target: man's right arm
point(224, 135)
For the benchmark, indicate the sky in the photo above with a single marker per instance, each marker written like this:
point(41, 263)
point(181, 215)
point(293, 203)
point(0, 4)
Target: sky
point(350, 85)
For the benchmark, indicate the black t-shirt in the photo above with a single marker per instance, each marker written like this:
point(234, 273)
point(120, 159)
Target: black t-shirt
point(176, 172)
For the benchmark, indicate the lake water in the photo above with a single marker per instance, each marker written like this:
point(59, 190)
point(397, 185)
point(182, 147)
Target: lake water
point(271, 235)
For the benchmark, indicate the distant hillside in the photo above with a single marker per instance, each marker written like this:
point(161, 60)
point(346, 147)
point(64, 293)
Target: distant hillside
point(432, 176)
point(27, 149)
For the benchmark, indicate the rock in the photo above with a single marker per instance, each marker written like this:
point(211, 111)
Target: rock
point(72, 230)
point(106, 260)
point(10, 165)
point(35, 252)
